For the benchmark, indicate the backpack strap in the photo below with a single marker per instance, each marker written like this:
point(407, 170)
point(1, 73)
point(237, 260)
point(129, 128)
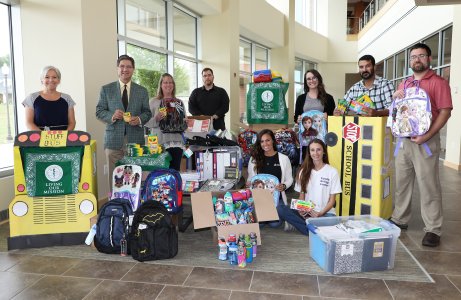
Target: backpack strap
point(399, 144)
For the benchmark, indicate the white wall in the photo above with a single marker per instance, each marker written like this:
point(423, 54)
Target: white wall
point(388, 34)
point(404, 24)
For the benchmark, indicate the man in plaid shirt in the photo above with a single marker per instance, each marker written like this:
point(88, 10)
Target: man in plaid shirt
point(379, 89)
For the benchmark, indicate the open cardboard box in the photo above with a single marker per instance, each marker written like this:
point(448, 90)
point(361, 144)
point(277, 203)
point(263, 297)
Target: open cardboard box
point(204, 216)
point(198, 125)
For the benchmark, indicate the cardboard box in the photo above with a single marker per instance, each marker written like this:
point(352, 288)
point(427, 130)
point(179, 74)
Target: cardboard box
point(204, 216)
point(340, 252)
point(198, 125)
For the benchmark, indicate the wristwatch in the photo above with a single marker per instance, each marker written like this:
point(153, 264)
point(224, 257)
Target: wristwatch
point(284, 186)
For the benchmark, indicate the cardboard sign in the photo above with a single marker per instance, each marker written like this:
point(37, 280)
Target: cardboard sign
point(53, 138)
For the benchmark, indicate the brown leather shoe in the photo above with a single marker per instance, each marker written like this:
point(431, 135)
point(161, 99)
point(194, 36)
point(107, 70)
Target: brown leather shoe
point(431, 240)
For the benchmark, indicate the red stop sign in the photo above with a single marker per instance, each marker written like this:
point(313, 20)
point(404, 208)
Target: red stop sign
point(351, 132)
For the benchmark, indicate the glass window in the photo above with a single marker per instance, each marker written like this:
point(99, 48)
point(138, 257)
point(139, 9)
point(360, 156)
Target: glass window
point(7, 103)
point(446, 46)
point(162, 37)
point(145, 22)
point(244, 81)
point(150, 65)
point(301, 66)
point(306, 13)
point(433, 43)
point(390, 68)
point(379, 69)
point(298, 70)
point(400, 64)
point(445, 73)
point(185, 78)
point(184, 33)
point(245, 56)
point(261, 58)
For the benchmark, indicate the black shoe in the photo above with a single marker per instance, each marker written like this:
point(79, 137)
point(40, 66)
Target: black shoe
point(431, 240)
point(401, 226)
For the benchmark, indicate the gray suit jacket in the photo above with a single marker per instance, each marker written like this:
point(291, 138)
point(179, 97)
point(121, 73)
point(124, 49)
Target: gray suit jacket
point(110, 99)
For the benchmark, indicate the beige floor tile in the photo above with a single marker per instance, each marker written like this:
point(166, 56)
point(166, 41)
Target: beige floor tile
point(441, 289)
point(158, 274)
point(102, 269)
point(120, 290)
point(354, 288)
point(229, 279)
point(295, 284)
point(58, 287)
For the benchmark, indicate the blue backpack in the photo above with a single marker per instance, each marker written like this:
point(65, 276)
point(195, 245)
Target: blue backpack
point(165, 186)
point(113, 225)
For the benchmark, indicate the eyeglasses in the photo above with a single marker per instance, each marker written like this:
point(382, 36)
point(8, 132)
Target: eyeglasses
point(312, 79)
point(420, 56)
point(125, 67)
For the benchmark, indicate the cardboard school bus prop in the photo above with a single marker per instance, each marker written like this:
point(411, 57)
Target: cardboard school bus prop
point(360, 148)
point(55, 189)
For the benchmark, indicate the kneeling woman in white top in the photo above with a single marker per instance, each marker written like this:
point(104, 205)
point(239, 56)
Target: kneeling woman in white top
point(317, 182)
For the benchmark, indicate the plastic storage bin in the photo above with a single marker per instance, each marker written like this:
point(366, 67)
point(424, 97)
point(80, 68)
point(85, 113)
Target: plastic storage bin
point(337, 251)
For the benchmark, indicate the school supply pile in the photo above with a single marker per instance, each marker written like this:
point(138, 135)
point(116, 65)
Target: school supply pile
point(204, 211)
point(356, 105)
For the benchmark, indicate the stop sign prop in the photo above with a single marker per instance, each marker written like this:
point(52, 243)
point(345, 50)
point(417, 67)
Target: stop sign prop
point(351, 132)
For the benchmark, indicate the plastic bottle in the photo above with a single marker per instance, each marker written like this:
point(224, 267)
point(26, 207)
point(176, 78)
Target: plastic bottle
point(233, 259)
point(241, 238)
point(254, 242)
point(249, 249)
point(228, 202)
point(222, 249)
point(123, 246)
point(241, 256)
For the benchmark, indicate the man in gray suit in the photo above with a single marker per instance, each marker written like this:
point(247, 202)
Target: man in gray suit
point(124, 107)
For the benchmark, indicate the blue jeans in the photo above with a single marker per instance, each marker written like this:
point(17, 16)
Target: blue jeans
point(294, 218)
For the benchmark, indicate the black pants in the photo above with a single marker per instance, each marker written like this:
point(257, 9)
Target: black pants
point(176, 156)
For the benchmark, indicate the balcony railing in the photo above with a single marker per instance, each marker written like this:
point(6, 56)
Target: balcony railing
point(370, 11)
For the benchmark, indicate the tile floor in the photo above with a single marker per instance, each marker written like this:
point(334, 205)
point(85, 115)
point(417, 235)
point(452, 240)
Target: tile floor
point(39, 277)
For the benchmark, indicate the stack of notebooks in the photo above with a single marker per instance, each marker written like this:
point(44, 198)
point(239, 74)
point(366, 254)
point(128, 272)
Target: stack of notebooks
point(217, 163)
point(190, 181)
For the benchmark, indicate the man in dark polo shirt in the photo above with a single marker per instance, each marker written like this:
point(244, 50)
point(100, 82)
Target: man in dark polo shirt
point(210, 100)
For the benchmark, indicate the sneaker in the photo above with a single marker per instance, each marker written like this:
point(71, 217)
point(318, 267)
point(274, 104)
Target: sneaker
point(289, 227)
point(401, 226)
point(431, 240)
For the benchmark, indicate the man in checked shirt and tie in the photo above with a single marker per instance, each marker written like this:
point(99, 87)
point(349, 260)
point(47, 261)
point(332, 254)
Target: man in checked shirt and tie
point(124, 107)
point(379, 89)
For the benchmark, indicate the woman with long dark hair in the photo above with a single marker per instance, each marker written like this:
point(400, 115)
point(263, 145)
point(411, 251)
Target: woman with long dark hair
point(315, 97)
point(265, 159)
point(317, 182)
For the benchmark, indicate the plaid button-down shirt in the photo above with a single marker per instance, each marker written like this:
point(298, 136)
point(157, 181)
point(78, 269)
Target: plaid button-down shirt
point(380, 93)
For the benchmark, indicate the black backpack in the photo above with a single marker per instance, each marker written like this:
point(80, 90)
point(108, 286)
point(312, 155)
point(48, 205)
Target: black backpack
point(153, 235)
point(113, 225)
